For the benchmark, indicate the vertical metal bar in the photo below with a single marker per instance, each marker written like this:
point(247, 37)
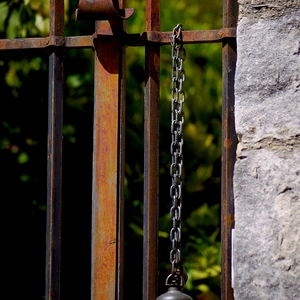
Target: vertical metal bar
point(121, 159)
point(54, 181)
point(230, 13)
point(121, 168)
point(151, 155)
point(108, 164)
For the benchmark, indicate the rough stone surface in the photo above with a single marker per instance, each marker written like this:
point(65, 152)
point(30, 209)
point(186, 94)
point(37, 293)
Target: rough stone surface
point(267, 228)
point(268, 77)
point(266, 8)
point(266, 239)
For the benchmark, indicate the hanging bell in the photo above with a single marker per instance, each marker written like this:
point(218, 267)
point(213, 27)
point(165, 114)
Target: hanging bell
point(174, 294)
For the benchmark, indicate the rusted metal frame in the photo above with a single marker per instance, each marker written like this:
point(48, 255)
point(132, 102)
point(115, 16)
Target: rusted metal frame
point(108, 164)
point(139, 39)
point(151, 155)
point(229, 141)
point(54, 179)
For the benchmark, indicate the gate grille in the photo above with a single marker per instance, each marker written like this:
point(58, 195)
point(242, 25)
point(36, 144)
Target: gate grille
point(108, 189)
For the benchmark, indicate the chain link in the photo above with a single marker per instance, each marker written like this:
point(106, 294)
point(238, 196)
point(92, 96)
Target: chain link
point(177, 120)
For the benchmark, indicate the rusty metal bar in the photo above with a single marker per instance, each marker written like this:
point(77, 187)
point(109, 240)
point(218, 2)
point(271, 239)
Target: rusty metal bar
point(151, 155)
point(139, 39)
point(108, 164)
point(47, 42)
point(31, 43)
point(54, 179)
point(79, 42)
point(188, 37)
point(230, 13)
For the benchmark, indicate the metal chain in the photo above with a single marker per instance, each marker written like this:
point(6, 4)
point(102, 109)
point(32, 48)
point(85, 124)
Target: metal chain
point(177, 120)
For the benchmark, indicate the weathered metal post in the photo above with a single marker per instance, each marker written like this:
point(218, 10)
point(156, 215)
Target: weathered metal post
point(230, 12)
point(54, 177)
point(151, 155)
point(109, 138)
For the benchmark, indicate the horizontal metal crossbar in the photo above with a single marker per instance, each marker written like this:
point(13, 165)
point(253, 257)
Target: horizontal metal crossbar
point(188, 37)
point(47, 42)
point(139, 39)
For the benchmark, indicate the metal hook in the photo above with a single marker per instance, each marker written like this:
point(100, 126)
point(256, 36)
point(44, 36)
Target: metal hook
point(101, 10)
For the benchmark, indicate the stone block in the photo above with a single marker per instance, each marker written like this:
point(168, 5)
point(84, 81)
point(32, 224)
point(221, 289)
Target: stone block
point(266, 259)
point(267, 85)
point(266, 239)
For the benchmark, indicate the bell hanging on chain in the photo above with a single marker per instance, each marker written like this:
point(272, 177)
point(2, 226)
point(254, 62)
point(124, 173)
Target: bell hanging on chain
point(174, 294)
point(176, 282)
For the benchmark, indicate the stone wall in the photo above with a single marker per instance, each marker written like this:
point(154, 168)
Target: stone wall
point(266, 238)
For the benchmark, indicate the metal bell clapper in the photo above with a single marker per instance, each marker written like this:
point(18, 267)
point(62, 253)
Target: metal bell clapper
point(174, 292)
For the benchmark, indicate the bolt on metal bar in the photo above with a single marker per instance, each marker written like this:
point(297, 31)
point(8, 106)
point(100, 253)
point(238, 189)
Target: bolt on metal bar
point(229, 141)
point(54, 179)
point(151, 155)
point(108, 165)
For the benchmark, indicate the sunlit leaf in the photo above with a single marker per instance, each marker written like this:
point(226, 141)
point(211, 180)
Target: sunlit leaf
point(42, 24)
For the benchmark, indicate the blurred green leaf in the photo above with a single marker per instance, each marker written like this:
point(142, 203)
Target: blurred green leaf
point(3, 14)
point(23, 158)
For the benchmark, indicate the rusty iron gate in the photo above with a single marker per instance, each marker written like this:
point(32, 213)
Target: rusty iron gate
point(109, 42)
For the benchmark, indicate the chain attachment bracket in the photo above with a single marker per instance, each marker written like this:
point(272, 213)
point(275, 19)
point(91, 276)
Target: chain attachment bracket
point(101, 10)
point(178, 278)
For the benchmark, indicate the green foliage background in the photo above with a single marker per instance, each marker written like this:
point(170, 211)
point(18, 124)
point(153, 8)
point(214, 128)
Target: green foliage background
point(23, 154)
